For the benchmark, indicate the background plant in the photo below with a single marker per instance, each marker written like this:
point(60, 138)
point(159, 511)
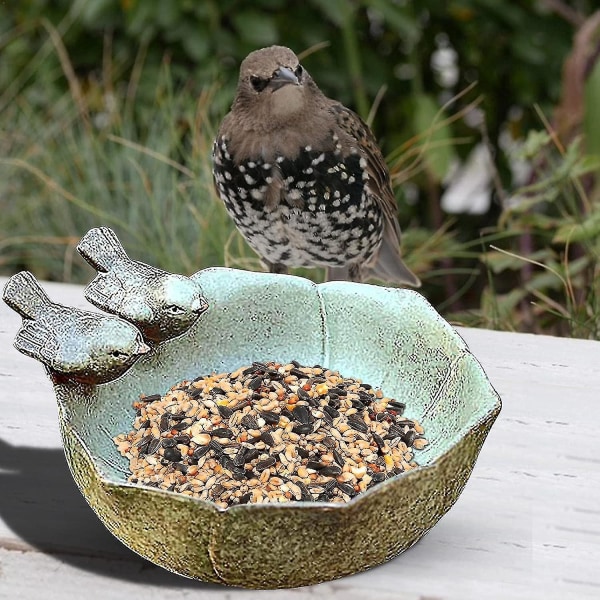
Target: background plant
point(108, 110)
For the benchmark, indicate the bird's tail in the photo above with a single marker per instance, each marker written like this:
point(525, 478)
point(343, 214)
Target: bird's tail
point(101, 248)
point(390, 267)
point(24, 295)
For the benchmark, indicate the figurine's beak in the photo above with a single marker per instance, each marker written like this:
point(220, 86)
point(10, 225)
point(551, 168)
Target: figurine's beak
point(143, 348)
point(199, 305)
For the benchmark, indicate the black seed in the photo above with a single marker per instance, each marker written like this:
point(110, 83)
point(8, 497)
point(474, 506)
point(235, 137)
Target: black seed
point(248, 371)
point(217, 491)
point(258, 366)
point(172, 454)
point(255, 383)
point(334, 402)
point(330, 485)
point(261, 465)
point(313, 402)
point(239, 459)
point(194, 392)
point(338, 391)
point(296, 363)
point(317, 466)
point(183, 468)
point(394, 431)
point(153, 446)
point(299, 374)
point(302, 452)
point(409, 437)
point(338, 457)
point(366, 386)
point(151, 398)
point(164, 424)
point(249, 422)
point(218, 391)
point(272, 418)
point(245, 498)
point(287, 413)
point(216, 447)
point(180, 416)
point(267, 438)
point(365, 398)
point(330, 471)
point(145, 424)
point(221, 432)
point(304, 493)
point(324, 497)
point(301, 414)
point(357, 423)
point(346, 489)
point(383, 416)
point(329, 442)
point(238, 473)
point(358, 404)
point(180, 426)
point(226, 462)
point(200, 452)
point(302, 429)
point(251, 454)
point(332, 412)
point(327, 417)
point(405, 422)
point(224, 411)
point(168, 442)
point(143, 443)
point(314, 380)
point(251, 474)
point(380, 443)
point(183, 439)
point(274, 375)
point(378, 477)
point(303, 394)
point(397, 407)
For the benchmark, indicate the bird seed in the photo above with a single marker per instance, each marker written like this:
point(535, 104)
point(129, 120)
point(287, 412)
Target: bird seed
point(270, 432)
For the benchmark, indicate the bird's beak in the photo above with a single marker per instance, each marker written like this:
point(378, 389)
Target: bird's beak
point(199, 305)
point(143, 348)
point(283, 76)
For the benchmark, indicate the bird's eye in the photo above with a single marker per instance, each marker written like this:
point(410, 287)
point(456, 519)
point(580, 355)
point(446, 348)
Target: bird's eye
point(299, 72)
point(258, 83)
point(173, 309)
point(118, 354)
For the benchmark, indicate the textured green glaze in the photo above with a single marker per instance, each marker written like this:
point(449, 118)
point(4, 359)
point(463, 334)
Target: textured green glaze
point(389, 337)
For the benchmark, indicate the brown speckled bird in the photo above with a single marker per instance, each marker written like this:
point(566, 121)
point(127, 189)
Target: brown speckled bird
point(302, 176)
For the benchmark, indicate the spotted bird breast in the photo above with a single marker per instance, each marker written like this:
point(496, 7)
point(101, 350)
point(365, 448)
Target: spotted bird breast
point(314, 209)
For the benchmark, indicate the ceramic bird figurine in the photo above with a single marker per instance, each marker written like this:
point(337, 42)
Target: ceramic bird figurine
point(303, 178)
point(163, 305)
point(86, 346)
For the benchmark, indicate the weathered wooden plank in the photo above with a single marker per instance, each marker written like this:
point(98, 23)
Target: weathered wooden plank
point(526, 526)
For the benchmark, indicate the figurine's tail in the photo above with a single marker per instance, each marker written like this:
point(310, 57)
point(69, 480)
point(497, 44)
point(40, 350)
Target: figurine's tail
point(24, 295)
point(101, 248)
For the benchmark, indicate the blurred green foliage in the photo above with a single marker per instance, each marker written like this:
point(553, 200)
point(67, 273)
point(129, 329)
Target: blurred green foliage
point(108, 109)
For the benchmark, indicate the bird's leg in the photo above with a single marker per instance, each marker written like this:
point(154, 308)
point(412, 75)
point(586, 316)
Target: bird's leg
point(339, 274)
point(276, 268)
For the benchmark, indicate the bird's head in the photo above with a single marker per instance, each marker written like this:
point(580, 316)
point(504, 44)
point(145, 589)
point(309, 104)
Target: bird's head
point(273, 87)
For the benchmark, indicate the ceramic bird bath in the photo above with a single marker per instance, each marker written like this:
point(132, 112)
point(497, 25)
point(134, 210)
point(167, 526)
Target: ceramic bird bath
point(391, 338)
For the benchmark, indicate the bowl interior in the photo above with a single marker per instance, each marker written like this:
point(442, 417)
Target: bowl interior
point(390, 338)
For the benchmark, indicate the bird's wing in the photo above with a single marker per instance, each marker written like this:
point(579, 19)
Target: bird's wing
point(389, 265)
point(37, 339)
point(106, 292)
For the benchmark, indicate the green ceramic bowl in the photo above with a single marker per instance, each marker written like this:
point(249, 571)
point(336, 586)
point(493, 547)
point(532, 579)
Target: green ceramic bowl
point(390, 338)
